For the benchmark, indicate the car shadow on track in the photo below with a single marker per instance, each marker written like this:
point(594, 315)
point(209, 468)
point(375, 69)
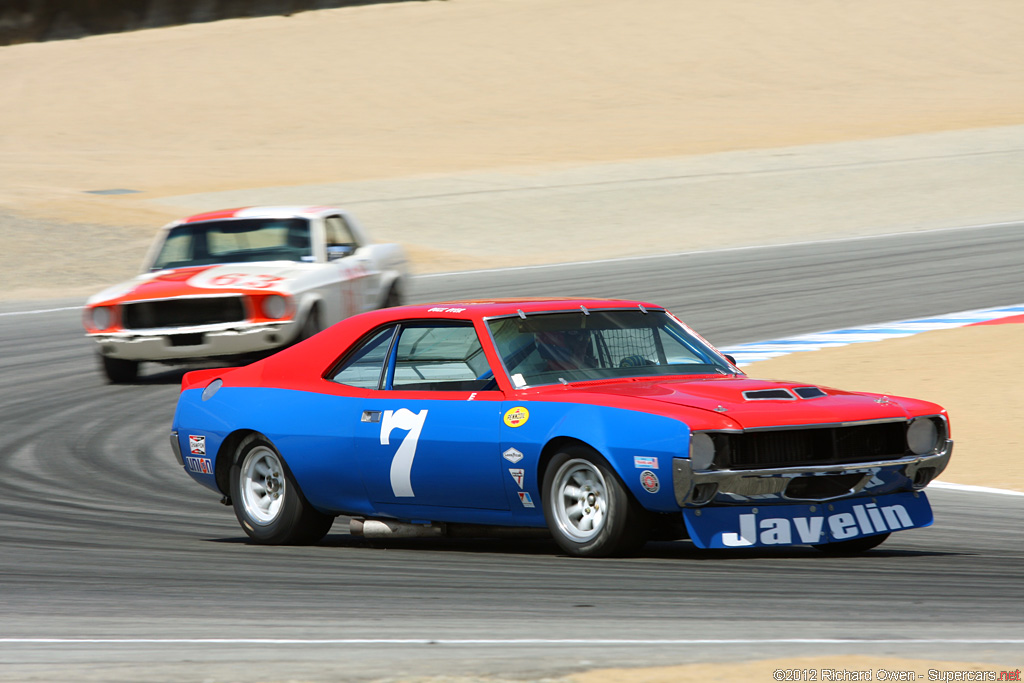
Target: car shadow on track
point(655, 550)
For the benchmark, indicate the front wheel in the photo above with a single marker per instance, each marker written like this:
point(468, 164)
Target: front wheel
point(267, 501)
point(588, 510)
point(853, 546)
point(394, 297)
point(310, 326)
point(118, 370)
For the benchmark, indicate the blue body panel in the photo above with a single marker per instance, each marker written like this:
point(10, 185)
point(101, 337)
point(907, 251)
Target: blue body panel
point(429, 459)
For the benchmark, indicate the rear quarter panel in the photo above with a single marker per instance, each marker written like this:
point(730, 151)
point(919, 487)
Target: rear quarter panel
point(301, 425)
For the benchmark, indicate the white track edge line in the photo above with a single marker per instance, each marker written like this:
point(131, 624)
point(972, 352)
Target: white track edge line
point(43, 310)
point(970, 488)
point(510, 641)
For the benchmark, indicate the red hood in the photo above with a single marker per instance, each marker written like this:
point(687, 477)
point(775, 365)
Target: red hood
point(231, 278)
point(169, 283)
point(725, 397)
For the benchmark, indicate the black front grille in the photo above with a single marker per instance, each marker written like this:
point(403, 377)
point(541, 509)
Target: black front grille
point(182, 312)
point(810, 446)
point(819, 488)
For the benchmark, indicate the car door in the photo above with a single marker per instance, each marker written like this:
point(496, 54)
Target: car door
point(357, 272)
point(427, 435)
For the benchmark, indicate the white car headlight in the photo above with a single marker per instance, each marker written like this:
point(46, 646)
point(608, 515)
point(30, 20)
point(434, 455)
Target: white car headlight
point(922, 436)
point(101, 317)
point(275, 306)
point(702, 451)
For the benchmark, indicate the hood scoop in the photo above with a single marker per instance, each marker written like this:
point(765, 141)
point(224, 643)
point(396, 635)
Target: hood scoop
point(809, 392)
point(781, 394)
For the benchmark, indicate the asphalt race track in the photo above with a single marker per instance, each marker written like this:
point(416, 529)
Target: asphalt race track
point(116, 566)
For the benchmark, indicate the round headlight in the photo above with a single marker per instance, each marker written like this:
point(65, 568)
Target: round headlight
point(101, 317)
point(922, 436)
point(702, 451)
point(275, 306)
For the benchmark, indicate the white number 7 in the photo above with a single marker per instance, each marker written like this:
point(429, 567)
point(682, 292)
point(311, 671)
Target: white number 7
point(401, 465)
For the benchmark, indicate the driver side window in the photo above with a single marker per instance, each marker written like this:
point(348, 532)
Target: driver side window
point(428, 356)
point(445, 357)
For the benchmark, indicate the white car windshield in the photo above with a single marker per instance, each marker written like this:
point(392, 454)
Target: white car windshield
point(569, 347)
point(235, 241)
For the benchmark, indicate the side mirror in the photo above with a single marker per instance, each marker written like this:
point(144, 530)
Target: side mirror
point(339, 251)
point(729, 358)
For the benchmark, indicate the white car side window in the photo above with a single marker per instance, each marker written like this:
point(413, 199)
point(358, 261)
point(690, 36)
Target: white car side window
point(340, 241)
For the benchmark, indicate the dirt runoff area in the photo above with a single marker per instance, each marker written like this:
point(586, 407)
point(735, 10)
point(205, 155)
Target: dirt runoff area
point(424, 89)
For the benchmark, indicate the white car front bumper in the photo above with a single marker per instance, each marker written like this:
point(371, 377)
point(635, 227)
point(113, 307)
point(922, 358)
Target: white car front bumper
point(188, 343)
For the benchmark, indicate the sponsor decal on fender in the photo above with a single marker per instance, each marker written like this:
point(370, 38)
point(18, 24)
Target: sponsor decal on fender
point(524, 496)
point(512, 455)
point(196, 444)
point(518, 474)
point(201, 465)
point(649, 480)
point(640, 462)
point(516, 417)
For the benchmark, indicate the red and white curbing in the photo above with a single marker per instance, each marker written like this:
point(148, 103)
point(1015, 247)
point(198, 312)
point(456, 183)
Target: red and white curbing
point(745, 354)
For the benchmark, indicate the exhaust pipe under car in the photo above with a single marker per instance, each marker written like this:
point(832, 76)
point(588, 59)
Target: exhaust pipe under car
point(389, 528)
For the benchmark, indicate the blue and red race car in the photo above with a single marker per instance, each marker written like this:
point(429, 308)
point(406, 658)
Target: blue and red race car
point(605, 421)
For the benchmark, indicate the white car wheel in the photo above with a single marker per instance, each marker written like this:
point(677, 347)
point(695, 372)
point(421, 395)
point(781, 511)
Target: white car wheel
point(267, 500)
point(580, 500)
point(263, 485)
point(588, 510)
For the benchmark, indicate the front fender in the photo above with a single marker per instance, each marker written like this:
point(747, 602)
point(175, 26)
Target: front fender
point(639, 446)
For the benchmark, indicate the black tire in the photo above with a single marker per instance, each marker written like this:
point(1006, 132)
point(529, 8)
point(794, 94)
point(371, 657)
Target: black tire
point(588, 510)
point(394, 297)
point(258, 473)
point(118, 370)
point(311, 325)
point(853, 546)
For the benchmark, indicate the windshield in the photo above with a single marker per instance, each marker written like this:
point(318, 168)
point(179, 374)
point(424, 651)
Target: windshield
point(235, 241)
point(570, 347)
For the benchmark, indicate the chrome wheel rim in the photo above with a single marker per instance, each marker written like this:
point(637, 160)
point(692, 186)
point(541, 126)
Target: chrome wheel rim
point(580, 500)
point(263, 485)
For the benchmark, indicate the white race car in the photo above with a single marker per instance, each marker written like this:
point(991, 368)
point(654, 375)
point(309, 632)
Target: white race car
point(242, 282)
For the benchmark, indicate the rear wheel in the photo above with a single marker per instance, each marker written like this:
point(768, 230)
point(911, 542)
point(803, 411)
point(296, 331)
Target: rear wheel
point(853, 546)
point(267, 501)
point(589, 511)
point(118, 370)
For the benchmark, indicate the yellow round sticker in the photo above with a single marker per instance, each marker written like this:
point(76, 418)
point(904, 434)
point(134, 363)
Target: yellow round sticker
point(516, 417)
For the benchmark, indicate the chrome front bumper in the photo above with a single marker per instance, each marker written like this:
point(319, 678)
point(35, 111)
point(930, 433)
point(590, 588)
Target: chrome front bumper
point(701, 487)
point(227, 339)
